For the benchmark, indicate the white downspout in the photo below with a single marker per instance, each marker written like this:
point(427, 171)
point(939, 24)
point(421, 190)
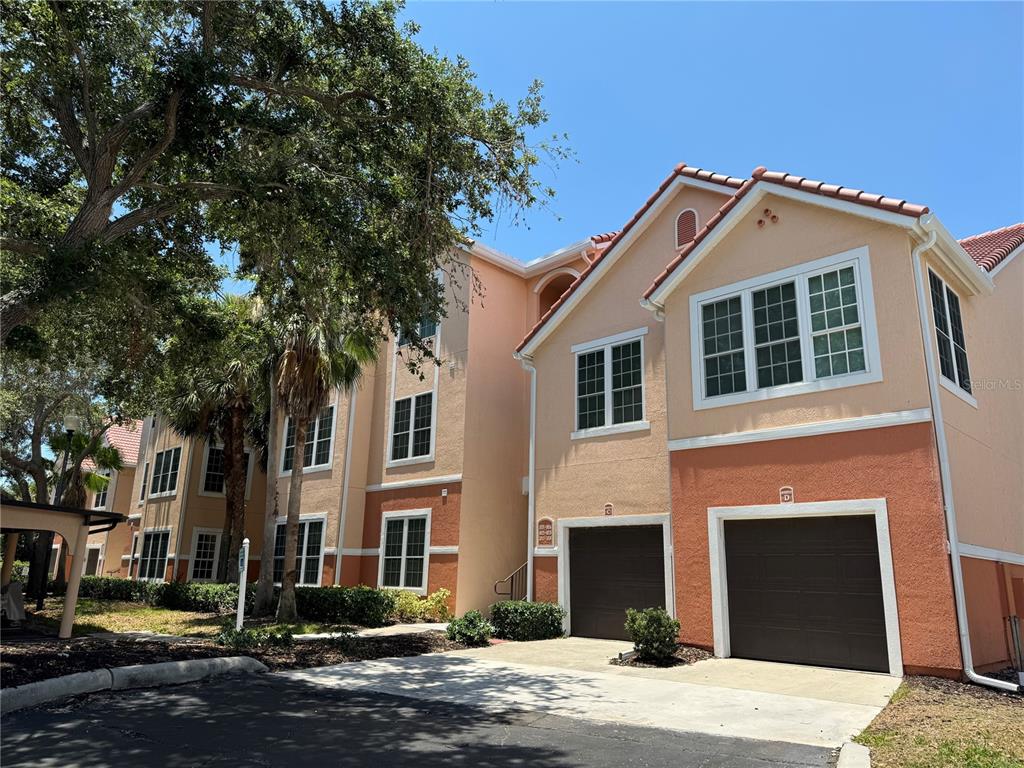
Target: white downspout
point(346, 478)
point(527, 362)
point(927, 223)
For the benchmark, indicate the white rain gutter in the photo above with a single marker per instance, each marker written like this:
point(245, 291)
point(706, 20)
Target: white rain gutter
point(531, 505)
point(928, 225)
point(346, 478)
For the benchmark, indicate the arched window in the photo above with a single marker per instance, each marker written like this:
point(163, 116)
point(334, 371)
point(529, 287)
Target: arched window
point(686, 227)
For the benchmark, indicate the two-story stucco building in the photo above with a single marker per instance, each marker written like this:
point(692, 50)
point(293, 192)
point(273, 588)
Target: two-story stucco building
point(791, 413)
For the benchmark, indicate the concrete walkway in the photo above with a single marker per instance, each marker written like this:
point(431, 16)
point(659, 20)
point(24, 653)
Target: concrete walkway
point(394, 629)
point(571, 678)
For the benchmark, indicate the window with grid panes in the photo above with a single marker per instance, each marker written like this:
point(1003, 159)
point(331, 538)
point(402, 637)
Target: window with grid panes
point(165, 472)
point(836, 334)
point(724, 365)
point(205, 559)
point(307, 558)
point(776, 335)
point(412, 426)
point(949, 333)
point(590, 389)
point(404, 552)
point(317, 449)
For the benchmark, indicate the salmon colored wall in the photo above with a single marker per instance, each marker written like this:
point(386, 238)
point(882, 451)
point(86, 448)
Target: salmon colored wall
point(803, 233)
point(986, 443)
point(492, 534)
point(578, 477)
point(541, 284)
point(443, 571)
point(895, 463)
point(545, 579)
point(444, 512)
point(987, 608)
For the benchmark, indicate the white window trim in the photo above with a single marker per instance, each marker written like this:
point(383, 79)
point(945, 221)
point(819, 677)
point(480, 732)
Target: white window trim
point(405, 514)
point(396, 352)
point(296, 456)
point(134, 554)
point(144, 493)
point(606, 344)
point(195, 545)
point(719, 578)
point(312, 518)
point(561, 551)
point(99, 559)
point(696, 227)
point(167, 558)
point(111, 475)
point(859, 259)
point(201, 490)
point(410, 459)
point(948, 384)
point(174, 491)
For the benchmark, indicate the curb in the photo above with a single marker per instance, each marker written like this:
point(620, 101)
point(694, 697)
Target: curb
point(121, 678)
point(854, 756)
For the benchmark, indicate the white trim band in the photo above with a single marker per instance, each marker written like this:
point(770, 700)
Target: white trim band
point(444, 550)
point(357, 552)
point(987, 553)
point(810, 429)
point(416, 483)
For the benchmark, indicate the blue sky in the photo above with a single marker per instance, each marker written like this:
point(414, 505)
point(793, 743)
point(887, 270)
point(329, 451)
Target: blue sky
point(923, 101)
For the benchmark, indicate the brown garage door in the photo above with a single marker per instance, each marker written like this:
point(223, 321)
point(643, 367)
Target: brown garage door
point(806, 590)
point(612, 569)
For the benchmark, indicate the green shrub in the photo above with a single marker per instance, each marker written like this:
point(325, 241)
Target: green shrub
point(368, 606)
point(259, 637)
point(109, 588)
point(198, 596)
point(329, 605)
point(654, 633)
point(520, 620)
point(19, 571)
point(410, 607)
point(471, 629)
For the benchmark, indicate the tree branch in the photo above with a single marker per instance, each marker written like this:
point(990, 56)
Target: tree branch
point(121, 226)
point(116, 135)
point(64, 113)
point(22, 246)
point(208, 39)
point(295, 91)
point(150, 156)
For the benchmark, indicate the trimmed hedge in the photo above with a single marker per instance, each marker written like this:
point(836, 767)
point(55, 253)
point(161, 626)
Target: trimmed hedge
point(654, 633)
point(470, 629)
point(520, 620)
point(361, 605)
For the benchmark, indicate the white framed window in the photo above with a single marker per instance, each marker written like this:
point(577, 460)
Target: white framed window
point(165, 473)
point(610, 394)
point(213, 479)
point(309, 558)
point(412, 429)
point(686, 227)
point(132, 573)
point(153, 561)
point(205, 553)
point(802, 329)
point(425, 329)
point(949, 337)
point(404, 547)
point(145, 479)
point(93, 560)
point(319, 448)
point(100, 499)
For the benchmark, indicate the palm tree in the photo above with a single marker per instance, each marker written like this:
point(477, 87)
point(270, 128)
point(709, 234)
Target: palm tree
point(317, 357)
point(214, 397)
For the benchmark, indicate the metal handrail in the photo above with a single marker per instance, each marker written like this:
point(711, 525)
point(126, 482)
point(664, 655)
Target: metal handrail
point(515, 584)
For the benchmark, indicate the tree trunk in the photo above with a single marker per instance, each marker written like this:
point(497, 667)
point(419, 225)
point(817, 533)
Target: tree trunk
point(286, 612)
point(234, 487)
point(265, 585)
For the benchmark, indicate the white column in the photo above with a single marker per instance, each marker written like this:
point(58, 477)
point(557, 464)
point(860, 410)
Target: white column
point(9, 552)
point(74, 580)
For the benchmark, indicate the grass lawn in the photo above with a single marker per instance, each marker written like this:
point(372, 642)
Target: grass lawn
point(117, 616)
point(933, 723)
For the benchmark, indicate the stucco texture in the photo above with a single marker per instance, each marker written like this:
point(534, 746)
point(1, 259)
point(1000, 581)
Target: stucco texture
point(895, 463)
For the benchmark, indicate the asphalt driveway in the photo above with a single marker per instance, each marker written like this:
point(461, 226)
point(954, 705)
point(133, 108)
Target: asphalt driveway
point(265, 721)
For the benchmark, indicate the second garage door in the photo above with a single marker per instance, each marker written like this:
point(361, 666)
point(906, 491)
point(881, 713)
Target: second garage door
point(611, 569)
point(806, 590)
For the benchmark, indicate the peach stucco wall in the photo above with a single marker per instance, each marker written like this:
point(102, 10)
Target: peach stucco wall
point(895, 463)
point(989, 602)
point(802, 234)
point(578, 477)
point(545, 579)
point(986, 443)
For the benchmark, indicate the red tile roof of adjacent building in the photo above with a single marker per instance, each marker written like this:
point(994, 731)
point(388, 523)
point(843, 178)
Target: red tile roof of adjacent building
point(613, 238)
point(988, 249)
point(604, 237)
point(762, 174)
point(126, 439)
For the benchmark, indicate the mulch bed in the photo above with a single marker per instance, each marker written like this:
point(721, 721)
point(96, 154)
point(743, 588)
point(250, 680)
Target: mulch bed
point(31, 662)
point(685, 654)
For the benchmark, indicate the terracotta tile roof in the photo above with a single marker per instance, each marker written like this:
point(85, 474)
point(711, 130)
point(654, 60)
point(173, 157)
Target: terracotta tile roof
point(849, 194)
point(989, 248)
point(604, 237)
point(680, 170)
point(761, 173)
point(126, 439)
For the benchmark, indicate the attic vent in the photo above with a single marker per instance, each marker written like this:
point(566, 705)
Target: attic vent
point(686, 227)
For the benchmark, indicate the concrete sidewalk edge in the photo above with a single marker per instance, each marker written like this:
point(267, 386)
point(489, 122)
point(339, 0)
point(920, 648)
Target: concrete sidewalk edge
point(854, 756)
point(121, 678)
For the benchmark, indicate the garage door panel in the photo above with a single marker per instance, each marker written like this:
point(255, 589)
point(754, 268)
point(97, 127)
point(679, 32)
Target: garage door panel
point(806, 590)
point(611, 569)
